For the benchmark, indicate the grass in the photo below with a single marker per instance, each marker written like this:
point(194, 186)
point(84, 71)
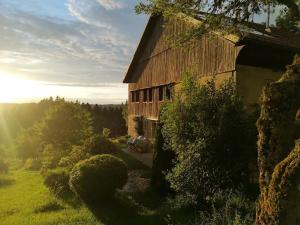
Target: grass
point(24, 200)
point(28, 202)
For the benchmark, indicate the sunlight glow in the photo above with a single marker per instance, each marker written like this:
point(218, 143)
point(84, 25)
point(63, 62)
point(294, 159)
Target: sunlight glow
point(15, 89)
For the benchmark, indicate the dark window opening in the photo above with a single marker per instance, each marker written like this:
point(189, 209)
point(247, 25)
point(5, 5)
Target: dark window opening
point(161, 93)
point(150, 95)
point(137, 96)
point(145, 95)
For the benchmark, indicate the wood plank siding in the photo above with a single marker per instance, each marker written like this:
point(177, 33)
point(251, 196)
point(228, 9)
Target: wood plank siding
point(159, 64)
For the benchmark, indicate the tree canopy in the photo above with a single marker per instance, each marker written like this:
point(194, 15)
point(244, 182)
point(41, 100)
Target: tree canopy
point(223, 15)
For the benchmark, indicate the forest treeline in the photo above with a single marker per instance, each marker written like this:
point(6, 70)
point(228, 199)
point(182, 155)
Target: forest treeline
point(15, 118)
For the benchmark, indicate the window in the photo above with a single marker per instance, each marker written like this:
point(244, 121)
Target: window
point(161, 93)
point(150, 94)
point(145, 95)
point(137, 96)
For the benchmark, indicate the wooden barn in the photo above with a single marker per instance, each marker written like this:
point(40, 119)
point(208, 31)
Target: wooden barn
point(252, 60)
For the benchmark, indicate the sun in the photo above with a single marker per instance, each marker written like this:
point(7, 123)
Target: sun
point(14, 89)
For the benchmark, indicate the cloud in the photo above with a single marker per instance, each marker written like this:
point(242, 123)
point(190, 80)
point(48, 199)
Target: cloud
point(111, 4)
point(86, 43)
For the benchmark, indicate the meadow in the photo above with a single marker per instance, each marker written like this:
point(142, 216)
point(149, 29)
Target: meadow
point(25, 200)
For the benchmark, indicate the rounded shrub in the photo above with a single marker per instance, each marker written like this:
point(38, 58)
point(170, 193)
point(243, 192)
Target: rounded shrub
point(3, 166)
point(98, 144)
point(97, 178)
point(57, 181)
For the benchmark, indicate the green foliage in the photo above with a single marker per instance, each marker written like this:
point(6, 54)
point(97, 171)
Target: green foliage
point(103, 115)
point(125, 112)
point(279, 149)
point(98, 144)
point(28, 144)
point(97, 178)
point(227, 207)
point(51, 156)
point(33, 164)
point(230, 207)
point(77, 154)
point(122, 139)
point(3, 166)
point(57, 181)
point(207, 128)
point(106, 132)
point(214, 14)
point(288, 20)
point(19, 117)
point(65, 124)
point(162, 161)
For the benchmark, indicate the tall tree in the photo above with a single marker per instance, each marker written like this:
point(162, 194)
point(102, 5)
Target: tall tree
point(65, 124)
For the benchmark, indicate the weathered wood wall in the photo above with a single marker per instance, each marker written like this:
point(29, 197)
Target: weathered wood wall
point(160, 64)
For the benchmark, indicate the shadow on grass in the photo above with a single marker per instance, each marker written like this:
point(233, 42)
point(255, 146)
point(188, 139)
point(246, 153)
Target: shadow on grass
point(6, 182)
point(52, 206)
point(125, 212)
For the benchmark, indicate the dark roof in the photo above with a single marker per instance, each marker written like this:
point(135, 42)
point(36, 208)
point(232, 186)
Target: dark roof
point(251, 33)
point(272, 36)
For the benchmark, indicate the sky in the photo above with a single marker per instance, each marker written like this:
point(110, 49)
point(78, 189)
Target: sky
point(77, 49)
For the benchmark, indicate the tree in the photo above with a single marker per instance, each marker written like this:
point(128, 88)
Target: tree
point(208, 130)
point(125, 112)
point(65, 124)
point(220, 15)
point(279, 150)
point(28, 144)
point(287, 20)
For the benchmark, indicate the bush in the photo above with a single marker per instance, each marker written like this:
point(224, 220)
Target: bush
point(225, 207)
point(97, 178)
point(229, 208)
point(122, 139)
point(58, 182)
point(3, 166)
point(77, 154)
point(106, 132)
point(51, 156)
point(162, 162)
point(211, 136)
point(98, 144)
point(33, 164)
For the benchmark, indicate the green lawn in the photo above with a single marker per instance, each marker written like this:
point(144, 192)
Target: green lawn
point(24, 200)
point(21, 199)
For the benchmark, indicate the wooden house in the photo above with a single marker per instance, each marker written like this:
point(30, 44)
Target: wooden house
point(252, 60)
